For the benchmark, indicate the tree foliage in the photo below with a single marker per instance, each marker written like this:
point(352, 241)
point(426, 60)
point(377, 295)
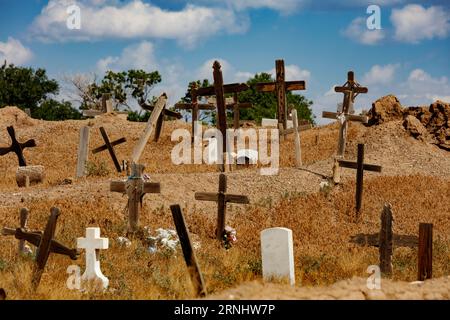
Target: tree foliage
point(52, 110)
point(25, 87)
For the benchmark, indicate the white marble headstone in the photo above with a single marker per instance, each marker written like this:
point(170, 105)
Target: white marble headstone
point(92, 243)
point(277, 250)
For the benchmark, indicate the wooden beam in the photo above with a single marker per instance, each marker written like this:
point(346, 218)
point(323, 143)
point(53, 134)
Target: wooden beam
point(281, 92)
point(152, 187)
point(117, 186)
point(221, 111)
point(350, 117)
point(188, 252)
point(206, 196)
point(298, 150)
point(359, 177)
point(200, 106)
point(139, 148)
point(289, 86)
point(221, 206)
point(227, 88)
point(386, 240)
point(349, 89)
point(235, 198)
point(354, 165)
point(425, 252)
point(83, 148)
point(114, 143)
point(110, 149)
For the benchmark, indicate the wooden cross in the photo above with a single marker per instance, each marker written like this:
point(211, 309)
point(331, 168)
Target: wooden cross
point(159, 122)
point(135, 188)
point(17, 147)
point(219, 90)
point(222, 198)
point(110, 147)
point(280, 86)
point(188, 252)
point(351, 89)
point(45, 244)
point(360, 166)
point(23, 217)
point(195, 107)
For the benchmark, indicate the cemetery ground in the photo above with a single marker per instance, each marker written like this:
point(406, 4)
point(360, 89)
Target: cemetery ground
point(328, 244)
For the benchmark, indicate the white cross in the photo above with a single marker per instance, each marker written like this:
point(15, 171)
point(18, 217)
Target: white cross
point(92, 243)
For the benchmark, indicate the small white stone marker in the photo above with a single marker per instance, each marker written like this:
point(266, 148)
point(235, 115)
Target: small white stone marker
point(277, 250)
point(92, 243)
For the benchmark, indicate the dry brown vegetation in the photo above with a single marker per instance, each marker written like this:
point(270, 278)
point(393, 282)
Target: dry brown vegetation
point(322, 221)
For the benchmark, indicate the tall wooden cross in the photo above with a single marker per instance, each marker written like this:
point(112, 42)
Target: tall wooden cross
point(219, 90)
point(360, 167)
point(45, 244)
point(222, 198)
point(17, 147)
point(110, 147)
point(351, 89)
point(195, 107)
point(281, 86)
point(135, 188)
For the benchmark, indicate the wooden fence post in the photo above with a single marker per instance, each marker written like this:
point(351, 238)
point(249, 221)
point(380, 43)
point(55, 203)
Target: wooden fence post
point(385, 240)
point(83, 152)
point(298, 150)
point(425, 254)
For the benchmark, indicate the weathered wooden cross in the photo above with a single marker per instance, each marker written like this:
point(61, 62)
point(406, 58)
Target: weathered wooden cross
point(45, 244)
point(219, 90)
point(222, 198)
point(351, 89)
point(135, 188)
point(188, 252)
point(23, 218)
point(17, 147)
point(195, 107)
point(159, 122)
point(280, 86)
point(360, 166)
point(110, 147)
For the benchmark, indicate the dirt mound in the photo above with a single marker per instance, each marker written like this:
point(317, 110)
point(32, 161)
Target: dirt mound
point(13, 116)
point(385, 109)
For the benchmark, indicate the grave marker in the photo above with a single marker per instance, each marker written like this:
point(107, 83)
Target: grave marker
point(351, 89)
point(29, 175)
point(83, 152)
point(17, 147)
point(386, 240)
point(425, 252)
point(135, 188)
point(110, 147)
point(222, 198)
point(360, 167)
point(92, 243)
point(45, 243)
point(277, 251)
point(159, 122)
point(188, 252)
point(280, 86)
point(298, 150)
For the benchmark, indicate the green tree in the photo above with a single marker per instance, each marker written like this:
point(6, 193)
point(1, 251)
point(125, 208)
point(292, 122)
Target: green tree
point(25, 87)
point(52, 110)
point(204, 115)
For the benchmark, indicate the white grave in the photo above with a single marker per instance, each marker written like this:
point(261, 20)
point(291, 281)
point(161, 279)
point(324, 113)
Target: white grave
point(92, 243)
point(277, 250)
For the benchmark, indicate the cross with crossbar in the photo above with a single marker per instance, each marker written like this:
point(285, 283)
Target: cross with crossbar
point(351, 89)
point(281, 86)
point(222, 198)
point(110, 147)
point(17, 147)
point(45, 244)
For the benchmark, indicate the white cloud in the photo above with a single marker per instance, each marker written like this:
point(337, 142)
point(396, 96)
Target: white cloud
point(358, 31)
point(13, 51)
point(135, 19)
point(137, 56)
point(380, 75)
point(414, 23)
point(293, 73)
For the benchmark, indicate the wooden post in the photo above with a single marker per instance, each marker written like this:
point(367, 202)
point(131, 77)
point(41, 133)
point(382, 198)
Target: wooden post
point(281, 131)
point(386, 240)
point(359, 178)
point(336, 171)
point(23, 224)
point(188, 252)
point(139, 148)
point(222, 207)
point(83, 151)
point(221, 110)
point(158, 128)
point(425, 257)
point(298, 150)
point(110, 149)
point(281, 92)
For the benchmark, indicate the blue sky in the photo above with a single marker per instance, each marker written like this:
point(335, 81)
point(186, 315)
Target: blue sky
point(319, 41)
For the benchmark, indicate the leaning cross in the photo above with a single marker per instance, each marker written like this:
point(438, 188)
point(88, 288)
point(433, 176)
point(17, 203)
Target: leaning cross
point(194, 106)
point(222, 198)
point(280, 86)
point(135, 187)
point(159, 122)
point(17, 147)
point(350, 89)
point(45, 244)
point(110, 147)
point(360, 166)
point(92, 244)
point(219, 90)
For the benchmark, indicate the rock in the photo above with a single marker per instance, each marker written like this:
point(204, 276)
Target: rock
point(385, 109)
point(415, 127)
point(124, 242)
